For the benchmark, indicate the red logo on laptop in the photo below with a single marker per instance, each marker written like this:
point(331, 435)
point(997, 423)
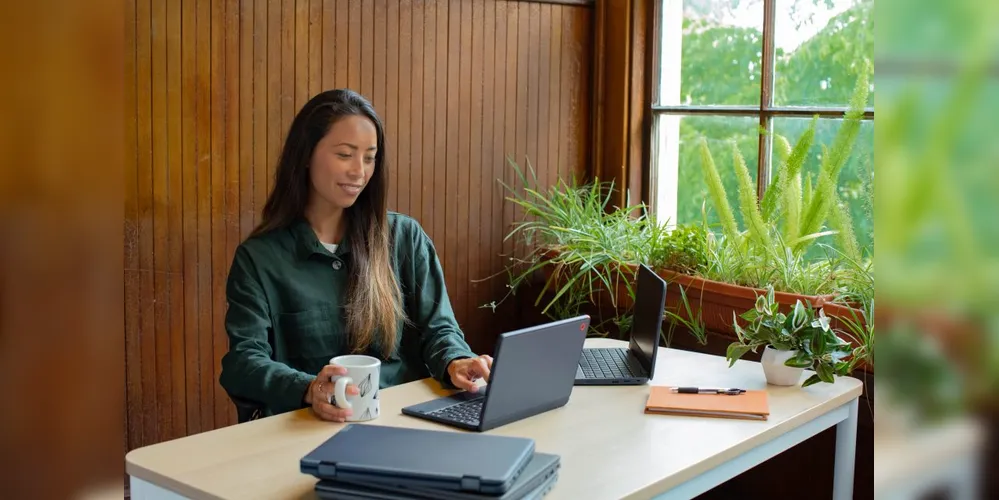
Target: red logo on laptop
point(582, 326)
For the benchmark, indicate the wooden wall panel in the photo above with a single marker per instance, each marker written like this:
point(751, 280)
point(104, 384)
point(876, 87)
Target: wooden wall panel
point(213, 86)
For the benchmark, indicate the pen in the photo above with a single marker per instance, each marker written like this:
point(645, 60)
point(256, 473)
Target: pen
point(708, 390)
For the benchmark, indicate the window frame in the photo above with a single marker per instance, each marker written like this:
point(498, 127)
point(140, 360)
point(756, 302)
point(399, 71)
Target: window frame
point(766, 111)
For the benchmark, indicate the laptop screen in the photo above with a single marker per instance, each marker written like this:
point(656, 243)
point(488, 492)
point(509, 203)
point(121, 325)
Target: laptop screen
point(650, 299)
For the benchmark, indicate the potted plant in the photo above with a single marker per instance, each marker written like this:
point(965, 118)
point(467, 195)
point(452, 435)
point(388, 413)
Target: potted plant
point(793, 342)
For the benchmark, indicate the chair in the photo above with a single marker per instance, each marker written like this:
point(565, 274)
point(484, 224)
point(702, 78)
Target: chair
point(246, 410)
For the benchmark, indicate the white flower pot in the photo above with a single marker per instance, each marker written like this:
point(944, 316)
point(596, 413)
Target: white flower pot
point(776, 371)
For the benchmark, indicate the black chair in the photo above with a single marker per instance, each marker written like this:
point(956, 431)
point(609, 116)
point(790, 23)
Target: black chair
point(247, 410)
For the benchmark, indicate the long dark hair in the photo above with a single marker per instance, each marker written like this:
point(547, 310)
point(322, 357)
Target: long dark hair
point(374, 303)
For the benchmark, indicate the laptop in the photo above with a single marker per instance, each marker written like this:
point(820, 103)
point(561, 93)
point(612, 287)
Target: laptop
point(538, 477)
point(533, 372)
point(636, 364)
point(420, 458)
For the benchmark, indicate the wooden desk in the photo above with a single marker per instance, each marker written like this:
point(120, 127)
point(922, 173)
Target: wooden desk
point(610, 448)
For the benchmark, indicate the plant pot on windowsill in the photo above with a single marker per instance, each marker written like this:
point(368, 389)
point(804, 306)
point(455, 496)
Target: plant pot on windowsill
point(714, 302)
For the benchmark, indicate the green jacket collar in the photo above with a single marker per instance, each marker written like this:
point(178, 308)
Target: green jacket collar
point(308, 243)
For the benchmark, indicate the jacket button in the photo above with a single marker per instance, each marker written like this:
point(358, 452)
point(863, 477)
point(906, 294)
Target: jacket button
point(337, 265)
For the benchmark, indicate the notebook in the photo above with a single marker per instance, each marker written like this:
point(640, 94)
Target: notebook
point(751, 405)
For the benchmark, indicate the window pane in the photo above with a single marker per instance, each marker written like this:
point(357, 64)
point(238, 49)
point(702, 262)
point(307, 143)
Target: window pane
point(855, 183)
point(822, 45)
point(711, 52)
point(720, 132)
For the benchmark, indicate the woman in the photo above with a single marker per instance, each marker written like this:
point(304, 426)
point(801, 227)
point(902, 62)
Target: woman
point(330, 271)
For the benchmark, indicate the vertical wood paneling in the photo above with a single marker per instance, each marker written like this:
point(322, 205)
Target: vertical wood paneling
point(523, 155)
point(203, 180)
point(544, 93)
point(492, 157)
point(175, 216)
point(327, 34)
point(302, 60)
point(261, 105)
point(473, 221)
point(144, 192)
point(429, 116)
point(554, 93)
point(511, 18)
point(133, 375)
point(214, 86)
point(462, 168)
point(272, 120)
point(224, 412)
point(218, 268)
point(189, 200)
point(439, 164)
point(316, 60)
point(403, 64)
point(367, 28)
point(288, 56)
point(161, 318)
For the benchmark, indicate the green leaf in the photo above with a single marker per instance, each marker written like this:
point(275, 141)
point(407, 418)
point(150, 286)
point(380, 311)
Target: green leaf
point(814, 379)
point(825, 372)
point(799, 318)
point(735, 351)
point(799, 360)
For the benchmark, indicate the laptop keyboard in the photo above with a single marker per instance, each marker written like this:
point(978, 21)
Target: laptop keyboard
point(466, 412)
point(607, 363)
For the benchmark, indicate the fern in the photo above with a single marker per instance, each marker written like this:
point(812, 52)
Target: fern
point(747, 201)
point(792, 208)
point(806, 197)
point(783, 148)
point(787, 170)
point(717, 191)
point(842, 223)
point(832, 163)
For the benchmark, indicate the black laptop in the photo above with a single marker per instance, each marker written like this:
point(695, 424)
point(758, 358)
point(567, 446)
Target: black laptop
point(538, 477)
point(533, 372)
point(420, 458)
point(635, 364)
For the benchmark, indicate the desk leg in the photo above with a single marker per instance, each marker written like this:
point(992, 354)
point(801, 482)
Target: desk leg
point(846, 454)
point(142, 490)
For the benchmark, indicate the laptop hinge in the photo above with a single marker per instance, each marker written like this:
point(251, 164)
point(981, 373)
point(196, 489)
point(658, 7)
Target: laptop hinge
point(327, 470)
point(470, 483)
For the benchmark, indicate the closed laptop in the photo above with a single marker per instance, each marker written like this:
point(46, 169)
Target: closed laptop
point(421, 458)
point(538, 477)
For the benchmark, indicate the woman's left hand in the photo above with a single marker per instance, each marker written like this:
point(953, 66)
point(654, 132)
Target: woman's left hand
point(466, 372)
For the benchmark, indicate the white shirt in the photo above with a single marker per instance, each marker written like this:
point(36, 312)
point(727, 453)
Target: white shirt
point(329, 246)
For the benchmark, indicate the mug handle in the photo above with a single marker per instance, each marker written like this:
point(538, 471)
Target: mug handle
point(340, 392)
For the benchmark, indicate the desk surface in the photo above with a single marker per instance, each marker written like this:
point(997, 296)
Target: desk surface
point(641, 455)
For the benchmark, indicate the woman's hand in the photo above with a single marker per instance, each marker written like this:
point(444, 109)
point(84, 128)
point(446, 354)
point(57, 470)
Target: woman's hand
point(320, 395)
point(465, 372)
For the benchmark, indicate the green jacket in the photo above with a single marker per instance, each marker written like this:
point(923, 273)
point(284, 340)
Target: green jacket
point(285, 318)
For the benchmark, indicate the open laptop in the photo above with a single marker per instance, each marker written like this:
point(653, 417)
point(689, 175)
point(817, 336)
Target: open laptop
point(533, 372)
point(635, 364)
point(420, 458)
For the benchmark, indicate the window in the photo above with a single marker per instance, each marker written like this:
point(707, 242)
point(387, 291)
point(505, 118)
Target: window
point(729, 70)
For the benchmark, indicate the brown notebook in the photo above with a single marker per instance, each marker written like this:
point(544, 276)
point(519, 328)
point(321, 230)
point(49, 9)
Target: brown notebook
point(751, 405)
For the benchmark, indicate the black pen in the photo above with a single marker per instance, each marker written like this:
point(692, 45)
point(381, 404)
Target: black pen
point(708, 390)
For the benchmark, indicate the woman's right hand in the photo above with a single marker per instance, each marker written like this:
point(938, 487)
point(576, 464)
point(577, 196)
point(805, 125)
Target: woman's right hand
point(320, 395)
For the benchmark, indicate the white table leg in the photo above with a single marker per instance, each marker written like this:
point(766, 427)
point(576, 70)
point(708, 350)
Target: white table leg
point(142, 490)
point(846, 454)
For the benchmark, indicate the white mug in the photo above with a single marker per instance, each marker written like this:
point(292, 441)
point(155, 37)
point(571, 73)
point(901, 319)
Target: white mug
point(362, 371)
